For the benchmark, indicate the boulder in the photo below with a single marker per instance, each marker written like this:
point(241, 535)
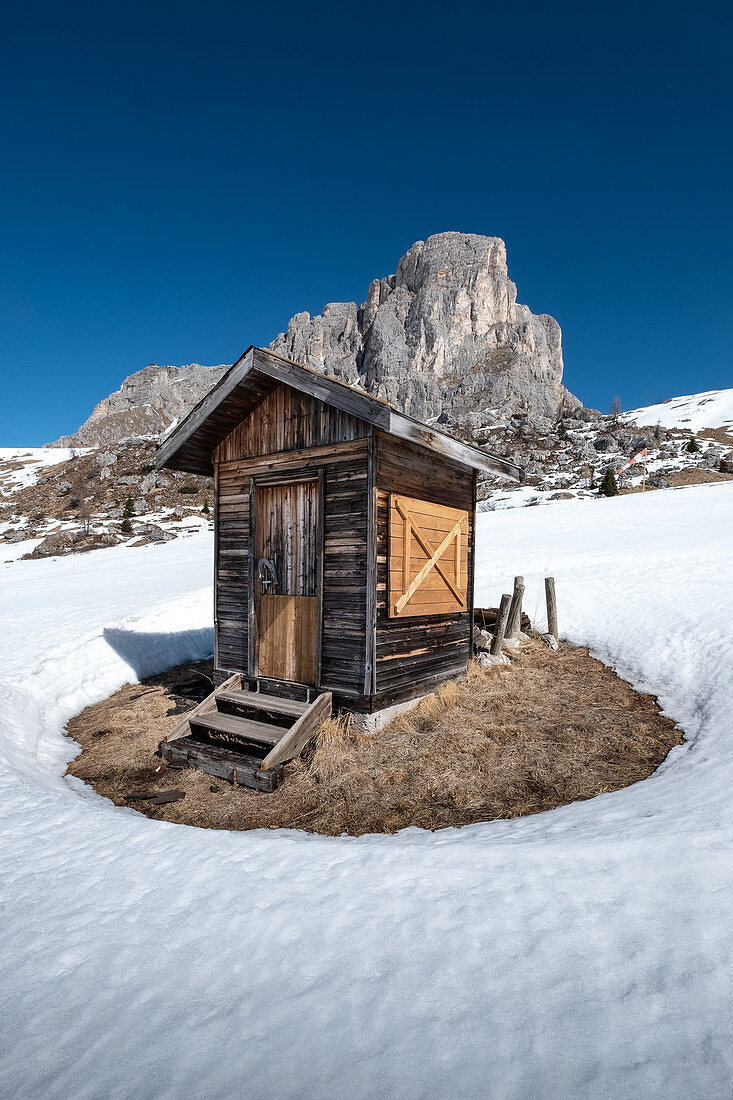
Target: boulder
point(588, 416)
point(149, 482)
point(105, 458)
point(60, 542)
point(20, 536)
point(152, 532)
point(69, 542)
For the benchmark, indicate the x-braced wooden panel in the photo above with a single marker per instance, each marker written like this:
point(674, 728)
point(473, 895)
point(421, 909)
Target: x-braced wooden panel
point(428, 551)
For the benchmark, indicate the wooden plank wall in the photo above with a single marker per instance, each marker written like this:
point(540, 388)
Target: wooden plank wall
point(345, 465)
point(415, 654)
point(288, 420)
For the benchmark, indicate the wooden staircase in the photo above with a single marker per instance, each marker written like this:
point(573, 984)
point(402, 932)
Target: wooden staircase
point(245, 736)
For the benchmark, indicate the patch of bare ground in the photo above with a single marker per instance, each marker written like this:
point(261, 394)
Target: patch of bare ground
point(694, 476)
point(719, 435)
point(549, 729)
point(698, 476)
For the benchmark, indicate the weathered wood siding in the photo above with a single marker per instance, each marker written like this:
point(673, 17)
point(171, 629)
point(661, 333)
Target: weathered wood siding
point(413, 655)
point(292, 434)
point(288, 420)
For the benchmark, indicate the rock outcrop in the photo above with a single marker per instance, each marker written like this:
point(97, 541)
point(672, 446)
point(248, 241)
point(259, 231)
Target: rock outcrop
point(443, 338)
point(145, 405)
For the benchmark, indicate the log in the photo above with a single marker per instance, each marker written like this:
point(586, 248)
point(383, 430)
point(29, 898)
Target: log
point(500, 625)
point(551, 608)
point(515, 609)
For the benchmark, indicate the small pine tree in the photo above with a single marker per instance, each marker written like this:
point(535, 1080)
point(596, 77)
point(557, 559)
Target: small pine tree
point(206, 510)
point(562, 431)
point(126, 526)
point(609, 485)
point(723, 466)
point(693, 446)
point(129, 508)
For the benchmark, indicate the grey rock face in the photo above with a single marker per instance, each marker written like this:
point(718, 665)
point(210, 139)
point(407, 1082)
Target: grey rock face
point(444, 338)
point(144, 406)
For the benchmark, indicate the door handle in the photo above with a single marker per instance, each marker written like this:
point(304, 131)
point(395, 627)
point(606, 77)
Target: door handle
point(267, 573)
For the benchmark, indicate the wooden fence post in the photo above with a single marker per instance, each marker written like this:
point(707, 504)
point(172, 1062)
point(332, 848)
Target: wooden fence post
point(514, 622)
point(500, 627)
point(551, 608)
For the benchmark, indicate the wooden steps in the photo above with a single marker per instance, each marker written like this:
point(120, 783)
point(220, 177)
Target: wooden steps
point(241, 729)
point(248, 749)
point(259, 700)
point(239, 768)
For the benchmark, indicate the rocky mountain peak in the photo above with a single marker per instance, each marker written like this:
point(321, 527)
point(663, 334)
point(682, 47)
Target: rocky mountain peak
point(443, 338)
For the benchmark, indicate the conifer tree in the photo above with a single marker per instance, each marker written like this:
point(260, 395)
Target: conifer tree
point(609, 486)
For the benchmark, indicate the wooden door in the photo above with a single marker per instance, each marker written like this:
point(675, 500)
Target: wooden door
point(286, 570)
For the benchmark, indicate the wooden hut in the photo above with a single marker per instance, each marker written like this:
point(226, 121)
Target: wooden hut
point(344, 558)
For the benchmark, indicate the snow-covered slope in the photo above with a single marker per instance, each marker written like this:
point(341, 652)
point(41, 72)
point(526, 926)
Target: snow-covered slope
point(585, 952)
point(20, 466)
point(697, 411)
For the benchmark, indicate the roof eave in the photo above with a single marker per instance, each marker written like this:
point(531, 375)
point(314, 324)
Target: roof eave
point(422, 434)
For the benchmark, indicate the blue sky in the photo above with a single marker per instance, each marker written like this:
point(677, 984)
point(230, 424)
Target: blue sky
point(177, 180)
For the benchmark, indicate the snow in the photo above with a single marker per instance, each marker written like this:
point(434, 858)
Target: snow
point(583, 952)
point(712, 409)
point(32, 460)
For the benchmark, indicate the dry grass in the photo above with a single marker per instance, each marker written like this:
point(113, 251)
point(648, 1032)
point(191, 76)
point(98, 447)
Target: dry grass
point(698, 476)
point(720, 435)
point(550, 729)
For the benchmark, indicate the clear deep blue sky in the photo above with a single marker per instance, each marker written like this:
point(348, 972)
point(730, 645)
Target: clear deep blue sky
point(178, 179)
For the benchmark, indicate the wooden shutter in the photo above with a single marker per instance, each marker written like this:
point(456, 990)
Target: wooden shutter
point(428, 548)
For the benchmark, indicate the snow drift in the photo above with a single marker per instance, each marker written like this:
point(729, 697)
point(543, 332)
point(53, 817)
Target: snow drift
point(582, 952)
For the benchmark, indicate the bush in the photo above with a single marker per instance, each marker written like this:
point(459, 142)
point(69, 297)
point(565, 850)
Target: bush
point(126, 526)
point(206, 510)
point(693, 447)
point(609, 485)
point(190, 490)
point(128, 508)
point(147, 468)
point(562, 431)
point(725, 467)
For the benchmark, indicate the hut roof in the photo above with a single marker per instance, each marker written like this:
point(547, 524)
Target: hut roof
point(190, 445)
